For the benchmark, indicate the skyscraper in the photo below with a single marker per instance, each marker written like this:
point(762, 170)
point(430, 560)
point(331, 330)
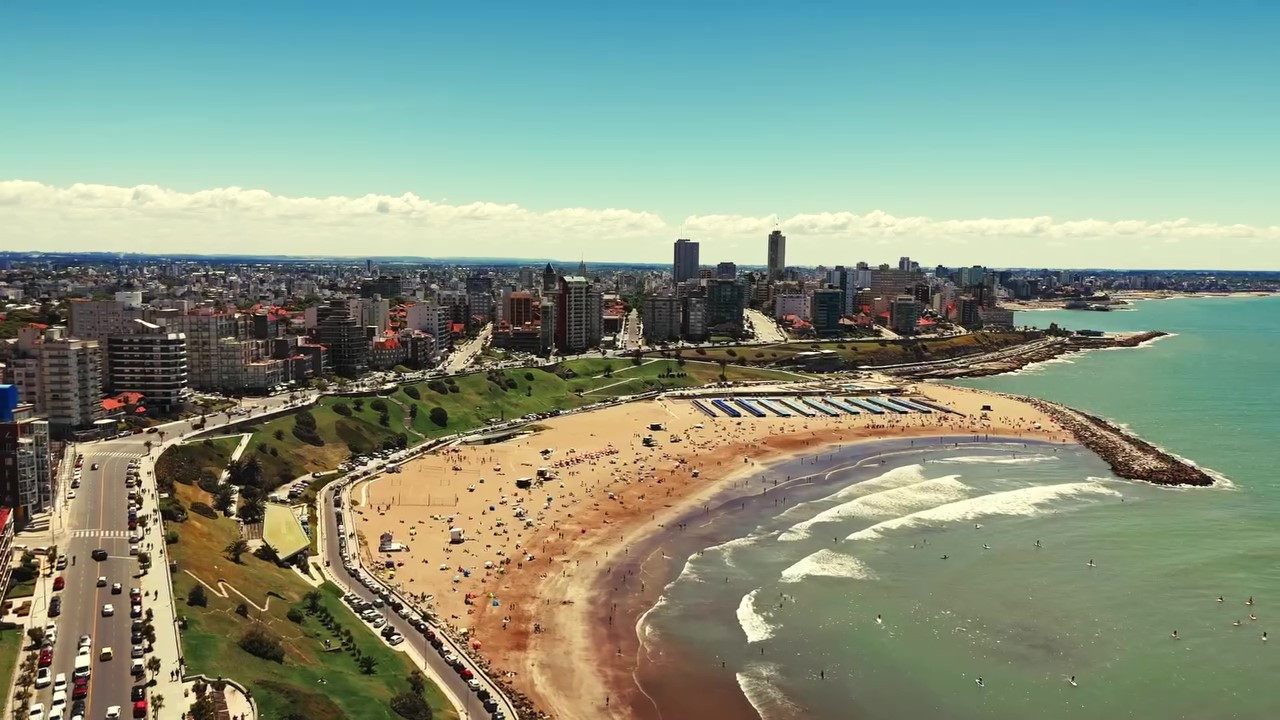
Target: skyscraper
point(904, 264)
point(685, 266)
point(777, 254)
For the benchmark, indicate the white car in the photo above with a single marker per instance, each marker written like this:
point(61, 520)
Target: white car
point(60, 682)
point(51, 633)
point(37, 712)
point(113, 712)
point(102, 581)
point(42, 677)
point(71, 494)
point(107, 610)
point(59, 703)
point(84, 651)
point(86, 641)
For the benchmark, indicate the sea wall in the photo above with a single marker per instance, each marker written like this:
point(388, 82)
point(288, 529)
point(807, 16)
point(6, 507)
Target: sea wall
point(982, 366)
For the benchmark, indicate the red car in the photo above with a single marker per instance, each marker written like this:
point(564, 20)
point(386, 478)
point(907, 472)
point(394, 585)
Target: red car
point(59, 583)
point(140, 709)
point(465, 673)
point(81, 688)
point(46, 657)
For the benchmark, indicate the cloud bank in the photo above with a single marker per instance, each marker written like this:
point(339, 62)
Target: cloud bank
point(148, 218)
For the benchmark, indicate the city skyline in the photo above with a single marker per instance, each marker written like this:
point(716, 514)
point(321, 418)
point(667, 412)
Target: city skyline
point(997, 134)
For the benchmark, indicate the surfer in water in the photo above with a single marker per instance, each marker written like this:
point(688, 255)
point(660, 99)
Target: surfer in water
point(1037, 543)
point(1174, 635)
point(1249, 601)
point(944, 557)
point(1091, 563)
point(1252, 617)
point(1220, 598)
point(1072, 681)
point(979, 682)
point(879, 620)
point(1237, 623)
point(986, 546)
point(1264, 636)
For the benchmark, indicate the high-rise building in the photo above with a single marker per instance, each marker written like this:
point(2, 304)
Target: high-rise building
point(344, 337)
point(26, 466)
point(431, 319)
point(777, 255)
point(371, 312)
point(521, 308)
point(904, 313)
point(72, 384)
point(846, 280)
point(204, 333)
point(727, 270)
point(904, 264)
point(826, 307)
point(480, 297)
point(550, 279)
point(150, 361)
point(887, 284)
point(578, 316)
point(100, 319)
point(792, 303)
point(725, 303)
point(693, 318)
point(685, 266)
point(661, 318)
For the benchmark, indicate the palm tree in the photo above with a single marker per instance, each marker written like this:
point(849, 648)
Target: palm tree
point(153, 665)
point(157, 702)
point(235, 549)
point(313, 600)
point(367, 663)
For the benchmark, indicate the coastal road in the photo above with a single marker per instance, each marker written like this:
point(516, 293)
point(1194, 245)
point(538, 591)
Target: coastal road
point(766, 329)
point(98, 518)
point(440, 672)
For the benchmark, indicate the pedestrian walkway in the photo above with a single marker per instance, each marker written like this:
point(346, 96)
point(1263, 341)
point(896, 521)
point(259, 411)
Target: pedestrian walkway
point(90, 454)
point(101, 533)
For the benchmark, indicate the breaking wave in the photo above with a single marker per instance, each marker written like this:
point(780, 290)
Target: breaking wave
point(891, 502)
point(754, 625)
point(828, 563)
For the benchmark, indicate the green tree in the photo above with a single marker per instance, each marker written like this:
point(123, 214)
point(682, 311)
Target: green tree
point(367, 664)
point(196, 596)
point(439, 416)
point(312, 599)
point(235, 549)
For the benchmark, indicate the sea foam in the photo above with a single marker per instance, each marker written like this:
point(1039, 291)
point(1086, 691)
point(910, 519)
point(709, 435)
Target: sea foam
point(754, 624)
point(1027, 501)
point(890, 502)
point(996, 460)
point(759, 683)
point(828, 563)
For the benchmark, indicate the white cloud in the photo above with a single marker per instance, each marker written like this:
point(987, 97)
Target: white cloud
point(148, 218)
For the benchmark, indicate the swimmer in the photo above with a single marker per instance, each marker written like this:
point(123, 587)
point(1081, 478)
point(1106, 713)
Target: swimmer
point(1072, 681)
point(986, 546)
point(980, 683)
point(1174, 635)
point(879, 620)
point(1249, 601)
point(1252, 617)
point(1237, 623)
point(944, 557)
point(1220, 598)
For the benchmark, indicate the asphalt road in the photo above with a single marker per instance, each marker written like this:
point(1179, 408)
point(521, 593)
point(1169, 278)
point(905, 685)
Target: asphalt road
point(98, 518)
point(471, 704)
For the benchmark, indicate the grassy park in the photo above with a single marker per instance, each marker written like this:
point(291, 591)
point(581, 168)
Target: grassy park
point(855, 353)
point(313, 680)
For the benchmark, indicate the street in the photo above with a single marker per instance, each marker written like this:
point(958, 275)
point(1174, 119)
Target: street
point(462, 355)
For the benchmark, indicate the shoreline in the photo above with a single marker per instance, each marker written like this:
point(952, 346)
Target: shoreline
point(1012, 362)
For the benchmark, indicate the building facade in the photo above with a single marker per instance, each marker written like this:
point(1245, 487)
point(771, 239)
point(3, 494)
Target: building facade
point(151, 361)
point(344, 338)
point(26, 466)
point(826, 307)
point(777, 255)
point(661, 319)
point(685, 265)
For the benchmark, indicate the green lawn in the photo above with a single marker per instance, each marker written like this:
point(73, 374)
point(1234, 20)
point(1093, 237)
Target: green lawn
point(210, 638)
point(188, 462)
point(11, 641)
point(860, 352)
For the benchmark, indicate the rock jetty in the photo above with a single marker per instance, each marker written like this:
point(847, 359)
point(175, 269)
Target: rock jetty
point(1128, 455)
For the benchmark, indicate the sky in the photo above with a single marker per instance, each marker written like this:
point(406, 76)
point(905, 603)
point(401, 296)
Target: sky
point(1081, 134)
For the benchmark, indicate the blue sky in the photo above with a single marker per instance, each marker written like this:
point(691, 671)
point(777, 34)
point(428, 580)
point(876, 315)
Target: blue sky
point(949, 110)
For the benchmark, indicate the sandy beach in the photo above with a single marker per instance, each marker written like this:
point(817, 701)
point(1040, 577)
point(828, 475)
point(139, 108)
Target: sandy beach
point(545, 582)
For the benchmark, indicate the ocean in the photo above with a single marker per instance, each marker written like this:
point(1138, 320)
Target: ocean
point(838, 602)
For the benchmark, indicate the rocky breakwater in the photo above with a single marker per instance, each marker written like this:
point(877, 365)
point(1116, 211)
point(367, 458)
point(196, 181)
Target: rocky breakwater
point(1128, 455)
point(1019, 357)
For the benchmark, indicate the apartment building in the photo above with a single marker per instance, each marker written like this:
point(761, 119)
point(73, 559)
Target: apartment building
point(151, 361)
point(26, 466)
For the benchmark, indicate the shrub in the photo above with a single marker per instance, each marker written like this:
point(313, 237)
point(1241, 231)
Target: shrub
point(439, 416)
point(438, 387)
point(278, 434)
point(453, 388)
point(203, 510)
point(242, 610)
point(172, 510)
point(308, 435)
point(731, 352)
point(260, 643)
point(305, 419)
point(411, 706)
point(412, 391)
point(384, 420)
point(196, 597)
point(700, 351)
point(342, 409)
point(528, 376)
point(511, 383)
point(208, 483)
point(295, 615)
point(378, 405)
point(171, 537)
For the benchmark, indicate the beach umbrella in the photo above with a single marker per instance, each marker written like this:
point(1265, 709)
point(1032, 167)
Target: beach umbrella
point(457, 578)
point(475, 644)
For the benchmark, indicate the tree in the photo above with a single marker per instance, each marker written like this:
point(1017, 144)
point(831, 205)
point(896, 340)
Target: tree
point(235, 549)
point(153, 664)
point(439, 416)
point(197, 597)
point(37, 636)
point(411, 706)
point(416, 682)
point(358, 404)
point(157, 702)
point(260, 643)
point(203, 708)
point(312, 599)
point(413, 412)
point(253, 510)
point(367, 664)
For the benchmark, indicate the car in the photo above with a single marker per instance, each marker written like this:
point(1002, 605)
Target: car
point(81, 688)
point(135, 592)
point(136, 668)
point(388, 631)
point(55, 607)
point(46, 657)
point(395, 640)
point(42, 678)
point(135, 637)
point(474, 684)
point(51, 633)
point(93, 466)
point(59, 583)
point(60, 682)
point(378, 621)
point(107, 654)
point(99, 554)
point(465, 673)
point(71, 494)
point(140, 709)
point(133, 549)
point(136, 652)
point(138, 692)
point(59, 702)
point(62, 562)
point(36, 712)
point(84, 651)
point(113, 712)
point(116, 588)
point(135, 611)
point(77, 709)
point(108, 610)
point(102, 580)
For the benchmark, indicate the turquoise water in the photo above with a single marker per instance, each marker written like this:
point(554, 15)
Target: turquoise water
point(790, 607)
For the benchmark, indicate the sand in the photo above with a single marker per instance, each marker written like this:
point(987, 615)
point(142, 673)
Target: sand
point(553, 633)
